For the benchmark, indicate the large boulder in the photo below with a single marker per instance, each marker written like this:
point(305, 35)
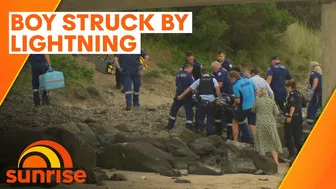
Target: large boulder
point(203, 169)
point(123, 137)
point(266, 164)
point(135, 156)
point(81, 130)
point(178, 148)
point(202, 146)
point(82, 154)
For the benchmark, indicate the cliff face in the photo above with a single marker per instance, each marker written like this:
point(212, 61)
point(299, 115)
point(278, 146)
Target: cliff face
point(115, 5)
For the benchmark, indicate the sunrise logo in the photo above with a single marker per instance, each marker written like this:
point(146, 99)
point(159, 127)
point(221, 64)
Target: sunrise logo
point(45, 161)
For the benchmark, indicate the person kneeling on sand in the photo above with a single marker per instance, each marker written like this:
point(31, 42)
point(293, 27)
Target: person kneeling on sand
point(266, 136)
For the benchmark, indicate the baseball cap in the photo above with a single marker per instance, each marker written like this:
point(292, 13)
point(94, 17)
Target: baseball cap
point(275, 58)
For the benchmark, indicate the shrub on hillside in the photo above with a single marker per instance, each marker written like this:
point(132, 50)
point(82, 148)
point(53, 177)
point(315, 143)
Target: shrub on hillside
point(73, 72)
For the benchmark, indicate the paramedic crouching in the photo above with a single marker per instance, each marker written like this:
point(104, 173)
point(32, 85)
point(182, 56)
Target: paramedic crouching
point(40, 64)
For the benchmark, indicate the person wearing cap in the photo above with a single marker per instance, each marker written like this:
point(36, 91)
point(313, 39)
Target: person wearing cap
point(222, 77)
point(315, 81)
point(293, 122)
point(260, 82)
point(277, 76)
point(208, 88)
point(221, 58)
point(183, 80)
point(244, 92)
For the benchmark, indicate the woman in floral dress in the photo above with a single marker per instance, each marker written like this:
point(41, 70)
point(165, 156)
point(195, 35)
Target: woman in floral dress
point(266, 138)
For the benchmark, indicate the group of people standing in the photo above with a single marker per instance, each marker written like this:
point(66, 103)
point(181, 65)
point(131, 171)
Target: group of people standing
point(256, 105)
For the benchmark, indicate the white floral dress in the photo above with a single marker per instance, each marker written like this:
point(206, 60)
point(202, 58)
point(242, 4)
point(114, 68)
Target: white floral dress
point(266, 138)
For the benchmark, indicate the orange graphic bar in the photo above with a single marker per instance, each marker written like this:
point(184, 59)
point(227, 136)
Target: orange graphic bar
point(315, 166)
point(11, 65)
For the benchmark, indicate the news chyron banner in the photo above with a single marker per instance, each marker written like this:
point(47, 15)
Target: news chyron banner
point(34, 27)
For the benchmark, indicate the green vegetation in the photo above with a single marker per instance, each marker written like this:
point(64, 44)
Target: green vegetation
point(74, 73)
point(249, 33)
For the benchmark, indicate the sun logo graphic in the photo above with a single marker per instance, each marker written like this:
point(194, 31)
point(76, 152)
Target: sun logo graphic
point(45, 161)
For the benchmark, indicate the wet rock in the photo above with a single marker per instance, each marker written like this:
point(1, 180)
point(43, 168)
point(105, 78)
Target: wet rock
point(171, 173)
point(82, 154)
point(94, 176)
point(266, 164)
point(135, 156)
point(118, 177)
point(182, 181)
point(212, 160)
point(202, 146)
point(202, 169)
point(81, 93)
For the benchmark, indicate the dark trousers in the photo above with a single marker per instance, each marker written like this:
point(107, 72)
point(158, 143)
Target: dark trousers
point(36, 72)
point(177, 104)
point(293, 135)
point(130, 78)
point(314, 104)
point(280, 100)
point(118, 77)
point(206, 109)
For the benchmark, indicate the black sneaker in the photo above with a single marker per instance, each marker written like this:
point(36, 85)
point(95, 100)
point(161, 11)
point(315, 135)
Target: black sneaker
point(136, 105)
point(128, 107)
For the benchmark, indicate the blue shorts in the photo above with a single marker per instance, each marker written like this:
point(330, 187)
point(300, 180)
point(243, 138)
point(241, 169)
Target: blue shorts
point(240, 116)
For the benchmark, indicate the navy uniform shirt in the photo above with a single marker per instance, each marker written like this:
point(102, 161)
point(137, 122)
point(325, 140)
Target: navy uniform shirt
point(223, 76)
point(313, 75)
point(183, 80)
point(196, 69)
point(279, 75)
point(37, 60)
point(131, 62)
point(295, 98)
point(227, 64)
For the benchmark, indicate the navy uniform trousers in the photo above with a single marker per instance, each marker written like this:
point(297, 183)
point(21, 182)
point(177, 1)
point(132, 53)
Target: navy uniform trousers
point(206, 109)
point(36, 72)
point(130, 78)
point(314, 104)
point(187, 103)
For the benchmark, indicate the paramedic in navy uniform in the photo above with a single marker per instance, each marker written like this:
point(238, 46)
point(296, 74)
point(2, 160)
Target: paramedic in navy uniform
point(40, 64)
point(130, 67)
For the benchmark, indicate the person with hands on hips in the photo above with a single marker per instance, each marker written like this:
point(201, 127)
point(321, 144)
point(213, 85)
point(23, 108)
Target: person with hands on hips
point(208, 88)
point(40, 64)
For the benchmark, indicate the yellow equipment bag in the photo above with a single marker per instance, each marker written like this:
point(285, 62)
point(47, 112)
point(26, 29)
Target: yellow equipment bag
point(145, 66)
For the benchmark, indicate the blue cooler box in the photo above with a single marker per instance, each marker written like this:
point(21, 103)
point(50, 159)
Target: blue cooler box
point(52, 80)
